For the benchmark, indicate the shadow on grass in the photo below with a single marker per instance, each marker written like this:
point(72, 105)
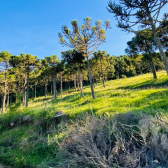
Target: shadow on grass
point(148, 84)
point(41, 99)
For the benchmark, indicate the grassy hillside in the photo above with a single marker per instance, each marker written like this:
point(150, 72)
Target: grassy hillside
point(28, 143)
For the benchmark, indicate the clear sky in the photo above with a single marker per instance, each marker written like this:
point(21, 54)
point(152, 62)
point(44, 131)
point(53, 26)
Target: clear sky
point(32, 26)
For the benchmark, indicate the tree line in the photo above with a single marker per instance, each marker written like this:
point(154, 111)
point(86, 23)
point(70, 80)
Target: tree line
point(84, 63)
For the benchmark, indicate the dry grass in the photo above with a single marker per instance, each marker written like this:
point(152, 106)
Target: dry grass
point(138, 142)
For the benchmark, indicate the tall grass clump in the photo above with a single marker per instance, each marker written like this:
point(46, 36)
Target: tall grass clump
point(127, 140)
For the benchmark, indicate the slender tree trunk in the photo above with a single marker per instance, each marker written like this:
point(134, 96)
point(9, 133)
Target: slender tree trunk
point(27, 89)
point(61, 83)
point(54, 87)
point(93, 83)
point(80, 80)
point(140, 69)
point(1, 103)
point(102, 72)
point(45, 90)
point(32, 92)
point(16, 96)
point(51, 89)
point(35, 91)
point(5, 85)
point(7, 104)
point(153, 69)
point(151, 63)
point(11, 96)
point(25, 97)
point(78, 83)
point(75, 81)
point(69, 85)
point(90, 78)
point(24, 92)
point(158, 42)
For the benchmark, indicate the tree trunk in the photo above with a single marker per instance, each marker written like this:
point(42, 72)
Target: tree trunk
point(153, 69)
point(35, 91)
point(5, 85)
point(54, 87)
point(78, 83)
point(7, 104)
point(27, 89)
point(24, 92)
point(152, 65)
point(32, 92)
point(90, 78)
point(16, 96)
point(75, 81)
point(51, 89)
point(140, 69)
point(102, 72)
point(1, 103)
point(61, 83)
point(11, 96)
point(69, 85)
point(45, 90)
point(93, 83)
point(158, 42)
point(80, 80)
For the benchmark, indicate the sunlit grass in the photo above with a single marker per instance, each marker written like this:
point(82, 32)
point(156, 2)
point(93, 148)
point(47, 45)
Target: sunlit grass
point(140, 93)
point(130, 94)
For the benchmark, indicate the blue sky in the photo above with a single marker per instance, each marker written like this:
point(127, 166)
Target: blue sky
point(32, 26)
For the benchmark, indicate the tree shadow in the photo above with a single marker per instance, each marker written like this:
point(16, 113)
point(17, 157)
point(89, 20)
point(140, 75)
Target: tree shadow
point(147, 84)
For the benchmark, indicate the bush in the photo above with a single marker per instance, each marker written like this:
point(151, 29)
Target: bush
point(105, 143)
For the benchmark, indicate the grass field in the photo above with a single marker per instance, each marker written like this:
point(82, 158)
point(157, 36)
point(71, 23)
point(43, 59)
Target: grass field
point(27, 146)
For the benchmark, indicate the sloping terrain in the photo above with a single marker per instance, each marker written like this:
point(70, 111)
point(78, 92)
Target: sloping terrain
point(26, 134)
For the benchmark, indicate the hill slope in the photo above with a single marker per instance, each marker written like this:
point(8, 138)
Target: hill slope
point(25, 134)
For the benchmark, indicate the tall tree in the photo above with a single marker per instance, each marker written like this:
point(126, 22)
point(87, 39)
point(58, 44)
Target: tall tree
point(4, 60)
point(44, 77)
point(30, 62)
point(86, 39)
point(20, 73)
point(61, 68)
point(100, 55)
point(141, 44)
point(143, 12)
point(53, 61)
point(75, 59)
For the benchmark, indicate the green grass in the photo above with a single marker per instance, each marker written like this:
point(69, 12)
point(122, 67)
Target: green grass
point(24, 145)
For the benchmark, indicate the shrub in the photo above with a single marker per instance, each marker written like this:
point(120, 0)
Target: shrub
point(105, 143)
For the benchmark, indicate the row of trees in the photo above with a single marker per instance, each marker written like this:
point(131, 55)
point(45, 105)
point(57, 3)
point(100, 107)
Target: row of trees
point(22, 74)
point(83, 63)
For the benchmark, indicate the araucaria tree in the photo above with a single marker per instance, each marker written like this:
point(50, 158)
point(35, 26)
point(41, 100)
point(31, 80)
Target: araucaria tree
point(140, 12)
point(86, 39)
point(145, 45)
point(100, 55)
point(75, 59)
point(4, 60)
point(53, 61)
point(30, 62)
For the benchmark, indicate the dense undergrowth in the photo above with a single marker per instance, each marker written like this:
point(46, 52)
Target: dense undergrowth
point(33, 138)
